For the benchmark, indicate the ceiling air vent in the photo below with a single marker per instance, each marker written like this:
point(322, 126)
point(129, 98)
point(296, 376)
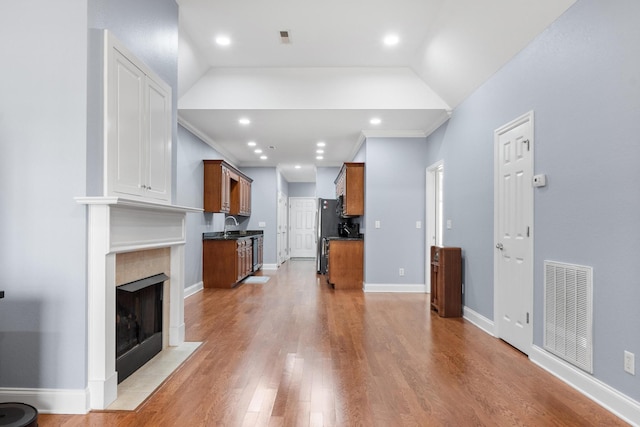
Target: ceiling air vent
point(284, 37)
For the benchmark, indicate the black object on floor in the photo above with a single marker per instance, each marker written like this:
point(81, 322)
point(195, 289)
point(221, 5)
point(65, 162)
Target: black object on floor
point(14, 414)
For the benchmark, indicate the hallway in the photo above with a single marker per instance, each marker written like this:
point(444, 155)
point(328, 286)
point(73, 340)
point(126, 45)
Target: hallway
point(293, 352)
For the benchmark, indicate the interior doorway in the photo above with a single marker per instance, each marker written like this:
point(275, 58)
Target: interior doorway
point(434, 211)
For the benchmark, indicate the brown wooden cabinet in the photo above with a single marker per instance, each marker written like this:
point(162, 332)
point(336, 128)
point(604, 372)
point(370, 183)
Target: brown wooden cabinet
point(226, 262)
point(350, 189)
point(226, 190)
point(446, 281)
point(345, 264)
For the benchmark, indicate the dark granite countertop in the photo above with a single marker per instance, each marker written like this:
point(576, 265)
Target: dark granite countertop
point(231, 235)
point(360, 237)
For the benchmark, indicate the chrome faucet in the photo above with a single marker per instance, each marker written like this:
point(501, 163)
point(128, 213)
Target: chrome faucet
point(226, 233)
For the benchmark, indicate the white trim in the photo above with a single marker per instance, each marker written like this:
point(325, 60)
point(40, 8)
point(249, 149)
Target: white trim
point(193, 289)
point(429, 220)
point(49, 401)
point(394, 133)
point(118, 225)
point(269, 266)
point(417, 288)
point(612, 400)
point(213, 144)
point(478, 320)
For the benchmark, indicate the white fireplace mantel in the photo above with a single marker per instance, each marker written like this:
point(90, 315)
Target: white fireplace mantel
point(118, 225)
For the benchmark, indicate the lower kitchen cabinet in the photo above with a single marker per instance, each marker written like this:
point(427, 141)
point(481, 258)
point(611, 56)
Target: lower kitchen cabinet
point(226, 262)
point(346, 263)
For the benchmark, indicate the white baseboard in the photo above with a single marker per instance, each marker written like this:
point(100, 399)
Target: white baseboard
point(269, 266)
point(193, 289)
point(606, 396)
point(49, 401)
point(397, 287)
point(479, 320)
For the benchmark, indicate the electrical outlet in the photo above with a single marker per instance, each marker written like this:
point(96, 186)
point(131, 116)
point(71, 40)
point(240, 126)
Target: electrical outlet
point(449, 224)
point(629, 362)
point(401, 272)
point(418, 224)
point(377, 224)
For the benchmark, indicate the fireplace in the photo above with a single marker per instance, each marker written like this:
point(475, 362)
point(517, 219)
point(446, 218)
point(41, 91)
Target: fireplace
point(138, 323)
point(118, 227)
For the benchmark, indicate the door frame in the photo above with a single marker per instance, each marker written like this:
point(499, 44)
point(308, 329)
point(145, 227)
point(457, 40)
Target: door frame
point(527, 117)
point(431, 208)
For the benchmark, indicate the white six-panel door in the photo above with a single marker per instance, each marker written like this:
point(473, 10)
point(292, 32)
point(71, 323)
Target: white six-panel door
point(302, 216)
point(513, 262)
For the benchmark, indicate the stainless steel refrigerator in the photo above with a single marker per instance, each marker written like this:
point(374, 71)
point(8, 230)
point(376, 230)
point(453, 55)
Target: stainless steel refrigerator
point(326, 226)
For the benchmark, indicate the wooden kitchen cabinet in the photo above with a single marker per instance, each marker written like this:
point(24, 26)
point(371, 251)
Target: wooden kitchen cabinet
point(226, 190)
point(446, 281)
point(350, 189)
point(226, 262)
point(345, 264)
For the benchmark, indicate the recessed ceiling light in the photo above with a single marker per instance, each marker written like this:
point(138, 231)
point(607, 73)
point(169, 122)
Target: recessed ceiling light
point(244, 121)
point(320, 151)
point(257, 151)
point(375, 121)
point(263, 157)
point(271, 147)
point(251, 143)
point(297, 166)
point(321, 144)
point(391, 39)
point(223, 41)
point(319, 157)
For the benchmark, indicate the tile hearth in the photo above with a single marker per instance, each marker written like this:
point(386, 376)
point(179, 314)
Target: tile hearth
point(141, 384)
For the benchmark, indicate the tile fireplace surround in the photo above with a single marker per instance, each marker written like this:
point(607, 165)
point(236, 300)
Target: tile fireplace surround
point(117, 225)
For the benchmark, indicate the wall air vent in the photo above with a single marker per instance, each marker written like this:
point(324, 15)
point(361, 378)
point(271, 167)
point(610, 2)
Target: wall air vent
point(284, 37)
point(568, 313)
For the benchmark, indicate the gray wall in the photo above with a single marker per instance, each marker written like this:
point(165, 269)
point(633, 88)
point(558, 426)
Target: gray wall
point(325, 187)
point(302, 189)
point(190, 190)
point(50, 113)
point(395, 196)
point(264, 207)
point(580, 77)
point(42, 168)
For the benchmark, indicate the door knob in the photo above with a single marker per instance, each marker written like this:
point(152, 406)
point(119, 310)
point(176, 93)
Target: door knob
point(500, 246)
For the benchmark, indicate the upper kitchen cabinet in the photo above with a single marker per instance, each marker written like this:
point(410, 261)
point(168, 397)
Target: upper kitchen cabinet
point(137, 127)
point(350, 189)
point(226, 189)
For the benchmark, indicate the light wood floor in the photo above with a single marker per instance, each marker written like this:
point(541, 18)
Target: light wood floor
point(293, 352)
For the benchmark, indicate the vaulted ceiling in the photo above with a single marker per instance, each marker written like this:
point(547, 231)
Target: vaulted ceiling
point(333, 74)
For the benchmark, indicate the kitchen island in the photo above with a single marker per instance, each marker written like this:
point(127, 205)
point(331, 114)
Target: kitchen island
point(345, 262)
point(228, 258)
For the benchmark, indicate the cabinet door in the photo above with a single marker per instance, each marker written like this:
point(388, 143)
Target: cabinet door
point(125, 125)
point(138, 127)
point(225, 202)
point(158, 166)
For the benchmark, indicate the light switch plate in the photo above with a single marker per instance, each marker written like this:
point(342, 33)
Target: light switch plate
point(377, 224)
point(262, 224)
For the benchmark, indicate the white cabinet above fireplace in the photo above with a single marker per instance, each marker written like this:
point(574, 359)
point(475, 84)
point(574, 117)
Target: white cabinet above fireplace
point(137, 127)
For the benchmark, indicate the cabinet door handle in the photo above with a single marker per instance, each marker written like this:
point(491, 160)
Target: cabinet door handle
point(500, 246)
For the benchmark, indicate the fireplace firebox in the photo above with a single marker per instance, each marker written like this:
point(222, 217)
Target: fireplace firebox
point(138, 323)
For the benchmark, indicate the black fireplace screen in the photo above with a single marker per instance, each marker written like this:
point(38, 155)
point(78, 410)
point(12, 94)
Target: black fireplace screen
point(138, 323)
